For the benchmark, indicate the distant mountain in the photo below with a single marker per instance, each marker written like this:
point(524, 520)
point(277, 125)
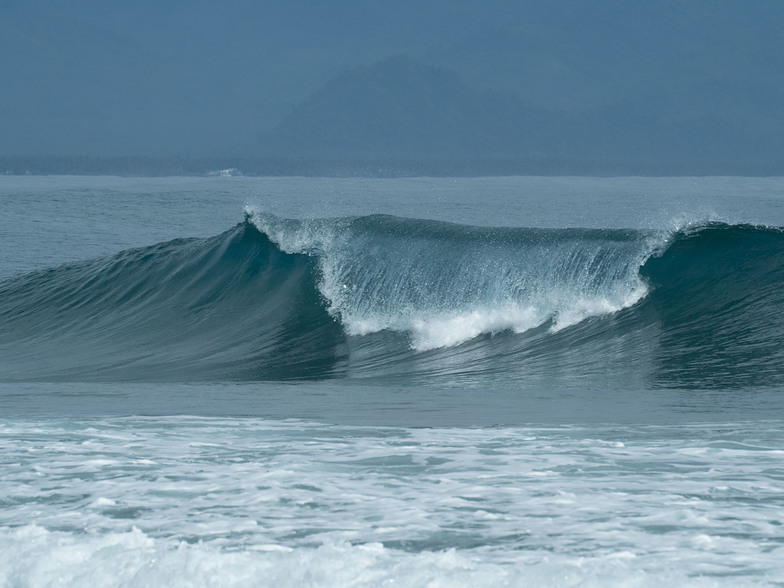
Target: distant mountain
point(398, 107)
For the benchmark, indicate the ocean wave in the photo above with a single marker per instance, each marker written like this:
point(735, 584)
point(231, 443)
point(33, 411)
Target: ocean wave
point(280, 299)
point(445, 283)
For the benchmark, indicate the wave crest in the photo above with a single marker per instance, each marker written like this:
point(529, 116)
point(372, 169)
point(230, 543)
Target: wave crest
point(277, 299)
point(445, 284)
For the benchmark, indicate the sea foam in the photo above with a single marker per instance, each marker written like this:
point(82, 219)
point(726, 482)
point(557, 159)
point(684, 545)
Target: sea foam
point(186, 501)
point(33, 556)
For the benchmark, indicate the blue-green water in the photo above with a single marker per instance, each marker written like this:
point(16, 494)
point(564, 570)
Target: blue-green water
point(290, 381)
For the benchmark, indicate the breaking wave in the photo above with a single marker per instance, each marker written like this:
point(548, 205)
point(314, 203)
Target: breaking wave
point(380, 296)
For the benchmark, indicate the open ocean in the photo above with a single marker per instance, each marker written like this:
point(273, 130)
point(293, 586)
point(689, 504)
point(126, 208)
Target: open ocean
point(234, 381)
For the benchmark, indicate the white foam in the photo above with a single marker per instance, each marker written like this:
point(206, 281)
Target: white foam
point(294, 503)
point(448, 331)
point(581, 309)
point(32, 556)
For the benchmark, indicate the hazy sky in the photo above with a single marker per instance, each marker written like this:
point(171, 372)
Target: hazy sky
point(211, 78)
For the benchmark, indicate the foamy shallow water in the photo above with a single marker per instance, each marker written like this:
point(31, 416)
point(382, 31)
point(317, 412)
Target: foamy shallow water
point(189, 501)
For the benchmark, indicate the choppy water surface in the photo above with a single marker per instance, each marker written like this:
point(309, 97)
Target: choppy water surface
point(511, 381)
point(128, 500)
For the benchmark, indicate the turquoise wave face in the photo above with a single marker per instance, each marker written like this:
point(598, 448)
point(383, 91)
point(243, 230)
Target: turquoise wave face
point(371, 297)
point(717, 294)
point(228, 307)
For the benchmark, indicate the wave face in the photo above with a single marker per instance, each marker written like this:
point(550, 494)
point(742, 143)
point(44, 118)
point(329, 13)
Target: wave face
point(229, 307)
point(381, 296)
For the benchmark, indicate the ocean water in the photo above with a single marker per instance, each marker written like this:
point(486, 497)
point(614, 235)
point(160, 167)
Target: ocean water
point(412, 382)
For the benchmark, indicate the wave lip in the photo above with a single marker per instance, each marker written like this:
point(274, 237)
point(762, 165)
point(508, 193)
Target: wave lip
point(445, 284)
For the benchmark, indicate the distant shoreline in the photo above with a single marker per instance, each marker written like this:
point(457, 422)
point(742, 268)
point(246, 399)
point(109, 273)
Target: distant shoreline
point(139, 166)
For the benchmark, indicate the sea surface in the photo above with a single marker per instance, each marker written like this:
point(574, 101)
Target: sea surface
point(520, 381)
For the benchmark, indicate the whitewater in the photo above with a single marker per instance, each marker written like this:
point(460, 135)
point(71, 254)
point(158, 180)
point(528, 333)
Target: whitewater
point(414, 382)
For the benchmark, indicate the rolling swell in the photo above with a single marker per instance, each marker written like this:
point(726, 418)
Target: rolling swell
point(718, 300)
point(381, 297)
point(229, 307)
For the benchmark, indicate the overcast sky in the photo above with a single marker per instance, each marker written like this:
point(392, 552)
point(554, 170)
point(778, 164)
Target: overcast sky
point(204, 77)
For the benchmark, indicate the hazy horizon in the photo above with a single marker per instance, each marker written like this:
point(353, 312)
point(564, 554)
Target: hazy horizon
point(654, 85)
